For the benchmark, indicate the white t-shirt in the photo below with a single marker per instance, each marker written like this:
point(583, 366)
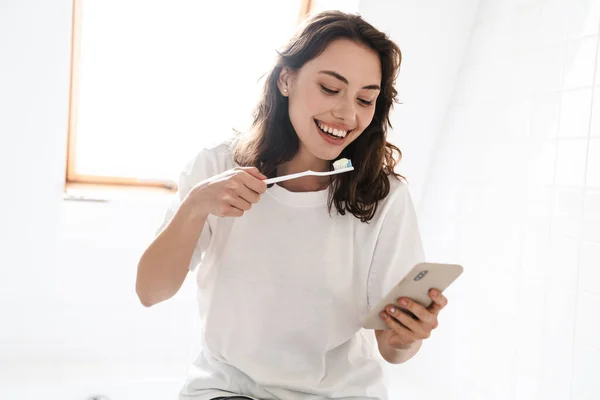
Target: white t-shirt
point(284, 289)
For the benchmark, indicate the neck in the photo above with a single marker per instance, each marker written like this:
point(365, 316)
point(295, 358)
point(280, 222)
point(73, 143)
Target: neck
point(304, 161)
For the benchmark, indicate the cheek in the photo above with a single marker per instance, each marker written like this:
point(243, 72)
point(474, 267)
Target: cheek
point(365, 116)
point(314, 102)
point(302, 105)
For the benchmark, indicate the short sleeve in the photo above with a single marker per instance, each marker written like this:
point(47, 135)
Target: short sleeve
point(194, 172)
point(398, 247)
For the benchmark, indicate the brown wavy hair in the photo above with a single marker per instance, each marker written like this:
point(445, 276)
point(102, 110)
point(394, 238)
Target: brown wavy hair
point(271, 140)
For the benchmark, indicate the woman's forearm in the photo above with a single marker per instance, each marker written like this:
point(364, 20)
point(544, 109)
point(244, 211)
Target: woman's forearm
point(163, 266)
point(398, 356)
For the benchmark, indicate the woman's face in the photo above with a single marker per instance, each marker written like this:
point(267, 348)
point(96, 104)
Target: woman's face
point(332, 97)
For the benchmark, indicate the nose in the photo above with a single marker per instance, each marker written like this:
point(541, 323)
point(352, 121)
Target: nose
point(345, 112)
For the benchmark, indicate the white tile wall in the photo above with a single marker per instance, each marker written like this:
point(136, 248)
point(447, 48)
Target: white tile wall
point(563, 262)
point(595, 128)
point(557, 338)
point(580, 63)
point(587, 328)
point(586, 384)
point(534, 200)
point(528, 362)
point(589, 272)
point(548, 65)
point(575, 113)
point(593, 164)
point(583, 18)
point(571, 162)
point(591, 216)
point(553, 21)
point(568, 210)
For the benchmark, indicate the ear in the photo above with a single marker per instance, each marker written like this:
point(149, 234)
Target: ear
point(285, 81)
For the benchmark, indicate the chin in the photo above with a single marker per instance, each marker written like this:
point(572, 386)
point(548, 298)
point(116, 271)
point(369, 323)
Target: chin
point(326, 155)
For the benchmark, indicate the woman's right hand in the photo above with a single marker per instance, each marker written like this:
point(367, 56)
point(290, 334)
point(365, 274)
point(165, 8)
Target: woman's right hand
point(229, 194)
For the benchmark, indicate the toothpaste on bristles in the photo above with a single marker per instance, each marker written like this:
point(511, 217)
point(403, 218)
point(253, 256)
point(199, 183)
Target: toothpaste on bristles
point(342, 163)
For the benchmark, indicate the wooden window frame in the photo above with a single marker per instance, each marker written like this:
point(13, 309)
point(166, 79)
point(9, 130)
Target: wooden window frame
point(73, 178)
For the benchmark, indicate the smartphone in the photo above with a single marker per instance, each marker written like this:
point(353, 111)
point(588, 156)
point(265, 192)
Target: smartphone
point(415, 285)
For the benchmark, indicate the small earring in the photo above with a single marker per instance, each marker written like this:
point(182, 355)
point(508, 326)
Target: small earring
point(284, 91)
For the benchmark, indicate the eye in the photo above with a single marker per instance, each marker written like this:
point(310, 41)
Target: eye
point(326, 90)
point(365, 102)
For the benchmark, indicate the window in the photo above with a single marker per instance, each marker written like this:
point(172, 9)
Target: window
point(153, 82)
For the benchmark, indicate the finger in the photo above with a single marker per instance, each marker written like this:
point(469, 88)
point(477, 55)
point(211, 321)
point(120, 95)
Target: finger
point(253, 171)
point(256, 173)
point(435, 308)
point(405, 335)
point(248, 194)
point(239, 203)
point(231, 211)
point(418, 310)
point(253, 183)
point(409, 322)
point(439, 301)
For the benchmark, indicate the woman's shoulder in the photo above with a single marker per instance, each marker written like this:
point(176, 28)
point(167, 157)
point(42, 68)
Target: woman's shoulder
point(220, 153)
point(209, 161)
point(217, 152)
point(398, 187)
point(398, 197)
point(397, 184)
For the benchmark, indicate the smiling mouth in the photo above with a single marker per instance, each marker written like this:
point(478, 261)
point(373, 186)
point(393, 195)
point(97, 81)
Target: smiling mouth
point(331, 132)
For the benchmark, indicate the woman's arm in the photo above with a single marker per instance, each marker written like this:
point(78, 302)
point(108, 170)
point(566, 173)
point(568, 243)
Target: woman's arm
point(398, 249)
point(163, 266)
point(394, 355)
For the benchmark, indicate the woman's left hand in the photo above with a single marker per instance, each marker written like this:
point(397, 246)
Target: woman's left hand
point(406, 329)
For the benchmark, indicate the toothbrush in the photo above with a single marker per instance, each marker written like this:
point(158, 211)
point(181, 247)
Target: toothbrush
point(340, 166)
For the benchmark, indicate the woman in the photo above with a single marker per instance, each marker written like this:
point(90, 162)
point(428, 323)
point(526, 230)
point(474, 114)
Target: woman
point(287, 274)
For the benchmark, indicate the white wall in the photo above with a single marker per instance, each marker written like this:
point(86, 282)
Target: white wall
point(71, 324)
point(514, 193)
point(34, 77)
point(34, 73)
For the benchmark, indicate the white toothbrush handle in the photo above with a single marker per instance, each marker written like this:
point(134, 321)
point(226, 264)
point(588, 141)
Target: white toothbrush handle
point(286, 177)
point(306, 173)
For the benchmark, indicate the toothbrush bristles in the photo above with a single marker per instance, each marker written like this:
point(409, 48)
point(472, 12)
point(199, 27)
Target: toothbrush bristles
point(342, 163)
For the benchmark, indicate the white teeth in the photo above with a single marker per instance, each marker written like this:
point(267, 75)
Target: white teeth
point(335, 132)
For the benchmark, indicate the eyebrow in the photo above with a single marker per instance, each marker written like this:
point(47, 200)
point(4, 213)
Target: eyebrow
point(341, 78)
